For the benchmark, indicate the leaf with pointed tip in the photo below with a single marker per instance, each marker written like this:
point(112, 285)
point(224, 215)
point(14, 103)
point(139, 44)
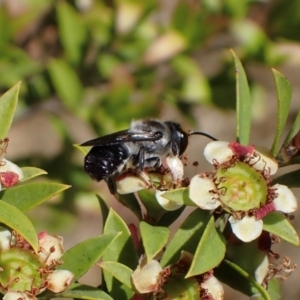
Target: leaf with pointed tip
point(154, 239)
point(284, 97)
point(186, 237)
point(83, 150)
point(16, 220)
point(8, 104)
point(80, 258)
point(121, 250)
point(29, 195)
point(243, 103)
point(210, 251)
point(282, 157)
point(104, 209)
point(118, 271)
point(277, 224)
point(31, 172)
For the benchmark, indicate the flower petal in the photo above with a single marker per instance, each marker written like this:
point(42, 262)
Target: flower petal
point(59, 280)
point(5, 239)
point(130, 184)
point(51, 247)
point(200, 193)
point(246, 229)
point(165, 203)
point(8, 166)
point(214, 288)
point(176, 167)
point(145, 278)
point(18, 296)
point(265, 162)
point(285, 201)
point(218, 151)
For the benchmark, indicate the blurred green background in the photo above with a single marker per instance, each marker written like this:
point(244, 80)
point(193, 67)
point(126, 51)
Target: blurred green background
point(88, 67)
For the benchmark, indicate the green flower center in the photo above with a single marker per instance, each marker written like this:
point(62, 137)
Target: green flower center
point(241, 187)
point(19, 270)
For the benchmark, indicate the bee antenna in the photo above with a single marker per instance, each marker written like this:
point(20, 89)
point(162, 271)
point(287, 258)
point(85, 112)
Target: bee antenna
point(202, 133)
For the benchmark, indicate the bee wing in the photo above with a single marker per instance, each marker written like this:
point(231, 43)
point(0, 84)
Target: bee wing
point(123, 137)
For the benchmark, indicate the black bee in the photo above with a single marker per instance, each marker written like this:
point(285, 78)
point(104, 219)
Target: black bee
point(142, 146)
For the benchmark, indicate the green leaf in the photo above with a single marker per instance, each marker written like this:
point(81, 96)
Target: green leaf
point(154, 239)
point(66, 83)
point(80, 258)
point(243, 103)
point(274, 289)
point(130, 201)
point(237, 278)
point(8, 104)
point(31, 172)
point(186, 237)
point(121, 250)
point(179, 288)
point(179, 196)
point(170, 217)
point(284, 97)
point(282, 157)
point(72, 31)
point(83, 150)
point(241, 252)
point(154, 210)
point(118, 271)
point(210, 251)
point(277, 224)
point(290, 179)
point(104, 209)
point(29, 195)
point(81, 291)
point(16, 220)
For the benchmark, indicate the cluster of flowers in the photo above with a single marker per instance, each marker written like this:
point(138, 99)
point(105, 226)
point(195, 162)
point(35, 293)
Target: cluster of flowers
point(24, 273)
point(240, 185)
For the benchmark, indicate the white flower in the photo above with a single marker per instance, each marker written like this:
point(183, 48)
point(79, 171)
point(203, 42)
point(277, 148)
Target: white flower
point(247, 229)
point(5, 239)
point(130, 184)
point(10, 173)
point(240, 184)
point(59, 280)
point(214, 287)
point(145, 277)
point(51, 247)
point(176, 168)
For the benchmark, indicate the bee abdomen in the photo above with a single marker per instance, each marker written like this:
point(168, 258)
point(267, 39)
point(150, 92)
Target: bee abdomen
point(104, 161)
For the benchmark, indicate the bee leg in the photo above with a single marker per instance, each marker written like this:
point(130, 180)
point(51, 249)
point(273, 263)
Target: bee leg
point(146, 178)
point(111, 185)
